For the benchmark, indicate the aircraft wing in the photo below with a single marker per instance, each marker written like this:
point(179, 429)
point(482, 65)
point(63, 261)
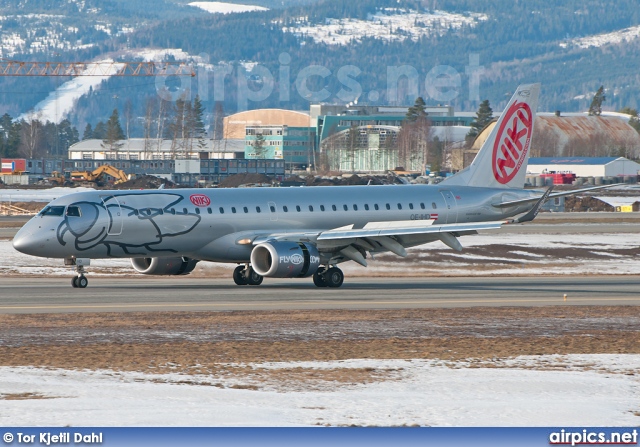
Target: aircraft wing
point(550, 196)
point(404, 228)
point(348, 243)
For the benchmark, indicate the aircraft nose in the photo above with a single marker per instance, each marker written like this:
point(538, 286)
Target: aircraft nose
point(27, 242)
point(23, 241)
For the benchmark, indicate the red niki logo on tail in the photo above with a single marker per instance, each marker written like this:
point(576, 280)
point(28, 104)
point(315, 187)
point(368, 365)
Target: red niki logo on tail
point(512, 142)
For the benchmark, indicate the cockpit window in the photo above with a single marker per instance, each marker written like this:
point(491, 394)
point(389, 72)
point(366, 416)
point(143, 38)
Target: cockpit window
point(52, 211)
point(73, 211)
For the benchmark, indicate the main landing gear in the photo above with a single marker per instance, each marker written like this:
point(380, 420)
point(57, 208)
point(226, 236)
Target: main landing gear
point(80, 281)
point(245, 275)
point(328, 277)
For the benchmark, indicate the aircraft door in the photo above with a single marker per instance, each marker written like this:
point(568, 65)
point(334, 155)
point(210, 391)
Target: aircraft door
point(452, 209)
point(115, 215)
point(273, 211)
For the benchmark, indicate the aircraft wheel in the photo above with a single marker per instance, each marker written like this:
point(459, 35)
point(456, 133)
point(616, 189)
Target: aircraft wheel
point(82, 281)
point(334, 277)
point(74, 282)
point(238, 276)
point(253, 279)
point(319, 280)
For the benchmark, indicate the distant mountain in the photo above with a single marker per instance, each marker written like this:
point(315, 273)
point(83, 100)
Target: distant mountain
point(355, 50)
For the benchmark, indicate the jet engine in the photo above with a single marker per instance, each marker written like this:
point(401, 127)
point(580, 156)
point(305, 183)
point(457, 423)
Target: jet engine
point(164, 266)
point(285, 259)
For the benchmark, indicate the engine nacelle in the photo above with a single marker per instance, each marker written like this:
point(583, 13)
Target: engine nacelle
point(285, 259)
point(164, 266)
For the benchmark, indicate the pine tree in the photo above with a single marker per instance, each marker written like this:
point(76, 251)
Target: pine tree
point(100, 131)
point(88, 132)
point(417, 110)
point(199, 131)
point(595, 109)
point(112, 141)
point(9, 136)
point(484, 116)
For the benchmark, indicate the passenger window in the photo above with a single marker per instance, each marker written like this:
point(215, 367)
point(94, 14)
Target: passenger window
point(434, 206)
point(422, 205)
point(233, 209)
point(388, 206)
point(311, 208)
point(399, 206)
point(355, 207)
point(285, 209)
point(298, 208)
point(346, 208)
point(245, 209)
point(334, 208)
point(221, 210)
point(375, 205)
point(161, 212)
point(209, 210)
point(173, 211)
point(136, 212)
point(272, 208)
point(321, 207)
point(258, 209)
point(184, 211)
point(366, 206)
point(73, 211)
point(197, 210)
point(411, 206)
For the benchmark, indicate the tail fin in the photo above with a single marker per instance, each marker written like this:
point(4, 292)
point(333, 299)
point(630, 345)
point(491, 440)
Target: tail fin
point(502, 160)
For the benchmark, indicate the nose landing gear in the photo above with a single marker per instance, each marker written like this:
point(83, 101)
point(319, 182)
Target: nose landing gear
point(80, 281)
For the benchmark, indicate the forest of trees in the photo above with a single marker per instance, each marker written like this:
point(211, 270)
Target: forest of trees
point(519, 42)
point(32, 138)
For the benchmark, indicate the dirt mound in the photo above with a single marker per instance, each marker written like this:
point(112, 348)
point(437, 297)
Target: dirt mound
point(353, 180)
point(145, 182)
point(580, 204)
point(233, 181)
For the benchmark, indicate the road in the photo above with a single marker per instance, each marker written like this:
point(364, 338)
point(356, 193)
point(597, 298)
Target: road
point(52, 295)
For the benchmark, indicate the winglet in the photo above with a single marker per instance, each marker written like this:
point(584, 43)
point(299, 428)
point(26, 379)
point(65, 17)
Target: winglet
point(533, 212)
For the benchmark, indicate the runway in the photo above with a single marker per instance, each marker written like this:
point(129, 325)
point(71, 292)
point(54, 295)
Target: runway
point(55, 295)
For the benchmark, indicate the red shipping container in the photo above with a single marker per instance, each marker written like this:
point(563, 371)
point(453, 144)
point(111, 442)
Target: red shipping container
point(14, 165)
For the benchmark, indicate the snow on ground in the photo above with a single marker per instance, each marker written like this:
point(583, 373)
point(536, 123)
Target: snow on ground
point(571, 390)
point(624, 35)
point(226, 8)
point(60, 102)
point(391, 24)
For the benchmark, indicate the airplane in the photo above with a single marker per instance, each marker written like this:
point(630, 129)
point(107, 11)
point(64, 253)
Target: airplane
point(293, 232)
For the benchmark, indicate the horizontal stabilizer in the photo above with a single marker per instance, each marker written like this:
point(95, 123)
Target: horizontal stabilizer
point(551, 196)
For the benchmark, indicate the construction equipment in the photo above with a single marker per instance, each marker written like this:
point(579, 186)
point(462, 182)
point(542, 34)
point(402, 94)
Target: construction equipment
point(97, 177)
point(58, 179)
